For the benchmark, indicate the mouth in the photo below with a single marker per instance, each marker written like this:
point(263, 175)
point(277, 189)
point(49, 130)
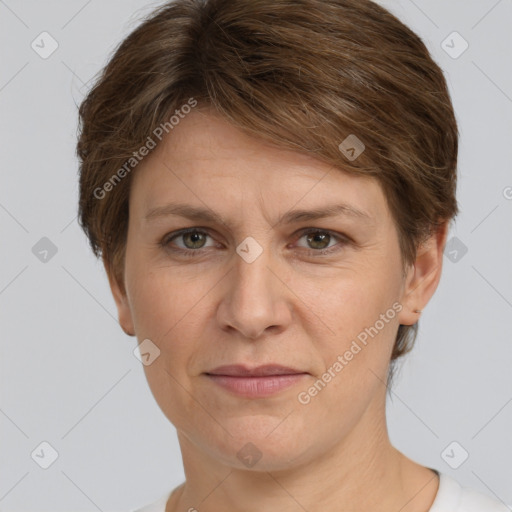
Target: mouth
point(258, 382)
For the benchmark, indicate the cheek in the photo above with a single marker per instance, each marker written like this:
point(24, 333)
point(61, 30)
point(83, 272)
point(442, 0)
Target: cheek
point(348, 302)
point(173, 308)
point(167, 310)
point(354, 353)
point(356, 320)
point(164, 299)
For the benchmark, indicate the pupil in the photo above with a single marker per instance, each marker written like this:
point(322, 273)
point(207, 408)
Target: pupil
point(196, 239)
point(318, 237)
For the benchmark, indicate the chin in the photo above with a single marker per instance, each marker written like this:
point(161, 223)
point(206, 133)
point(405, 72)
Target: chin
point(260, 443)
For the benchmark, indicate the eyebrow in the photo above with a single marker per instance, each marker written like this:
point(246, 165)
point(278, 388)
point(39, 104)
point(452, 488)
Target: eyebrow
point(206, 215)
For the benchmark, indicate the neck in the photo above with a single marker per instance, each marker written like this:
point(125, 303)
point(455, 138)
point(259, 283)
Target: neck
point(363, 471)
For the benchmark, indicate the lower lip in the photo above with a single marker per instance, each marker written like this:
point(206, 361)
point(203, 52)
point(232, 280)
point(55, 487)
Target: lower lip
point(257, 387)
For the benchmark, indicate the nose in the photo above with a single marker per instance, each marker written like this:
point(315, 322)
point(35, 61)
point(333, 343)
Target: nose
point(255, 299)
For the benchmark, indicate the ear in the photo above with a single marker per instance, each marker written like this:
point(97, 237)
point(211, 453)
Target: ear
point(123, 307)
point(423, 276)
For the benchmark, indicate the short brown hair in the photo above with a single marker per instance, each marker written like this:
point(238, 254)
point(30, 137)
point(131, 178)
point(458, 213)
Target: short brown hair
point(302, 74)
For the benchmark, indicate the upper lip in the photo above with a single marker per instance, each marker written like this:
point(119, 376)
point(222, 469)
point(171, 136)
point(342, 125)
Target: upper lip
point(238, 370)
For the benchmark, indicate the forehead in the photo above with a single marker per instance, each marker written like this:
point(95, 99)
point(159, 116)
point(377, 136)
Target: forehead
point(205, 155)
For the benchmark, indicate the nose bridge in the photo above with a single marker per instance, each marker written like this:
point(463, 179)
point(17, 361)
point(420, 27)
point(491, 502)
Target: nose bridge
point(252, 302)
point(251, 267)
point(252, 284)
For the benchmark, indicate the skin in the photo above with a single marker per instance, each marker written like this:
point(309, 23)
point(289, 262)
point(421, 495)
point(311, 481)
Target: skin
point(291, 306)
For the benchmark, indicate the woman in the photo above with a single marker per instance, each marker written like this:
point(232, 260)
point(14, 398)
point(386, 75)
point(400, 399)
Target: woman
point(270, 185)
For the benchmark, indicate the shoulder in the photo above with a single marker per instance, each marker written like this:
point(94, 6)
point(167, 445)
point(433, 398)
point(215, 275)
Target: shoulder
point(453, 497)
point(156, 506)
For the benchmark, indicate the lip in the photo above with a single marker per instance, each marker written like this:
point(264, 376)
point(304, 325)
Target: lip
point(257, 382)
point(239, 370)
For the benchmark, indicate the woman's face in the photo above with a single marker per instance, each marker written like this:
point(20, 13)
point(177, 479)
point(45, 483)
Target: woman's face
point(249, 286)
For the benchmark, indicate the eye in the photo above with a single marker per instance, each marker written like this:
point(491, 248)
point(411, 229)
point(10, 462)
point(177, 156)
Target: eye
point(192, 239)
point(321, 241)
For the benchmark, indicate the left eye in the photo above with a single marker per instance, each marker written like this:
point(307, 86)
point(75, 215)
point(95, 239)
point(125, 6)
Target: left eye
point(318, 239)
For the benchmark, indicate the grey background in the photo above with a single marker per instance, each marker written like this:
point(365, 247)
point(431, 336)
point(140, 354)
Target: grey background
point(68, 373)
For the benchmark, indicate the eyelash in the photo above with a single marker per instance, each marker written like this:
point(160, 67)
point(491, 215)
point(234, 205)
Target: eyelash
point(192, 253)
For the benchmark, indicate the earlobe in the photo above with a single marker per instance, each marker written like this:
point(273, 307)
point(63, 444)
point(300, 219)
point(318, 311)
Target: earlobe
point(121, 300)
point(423, 276)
